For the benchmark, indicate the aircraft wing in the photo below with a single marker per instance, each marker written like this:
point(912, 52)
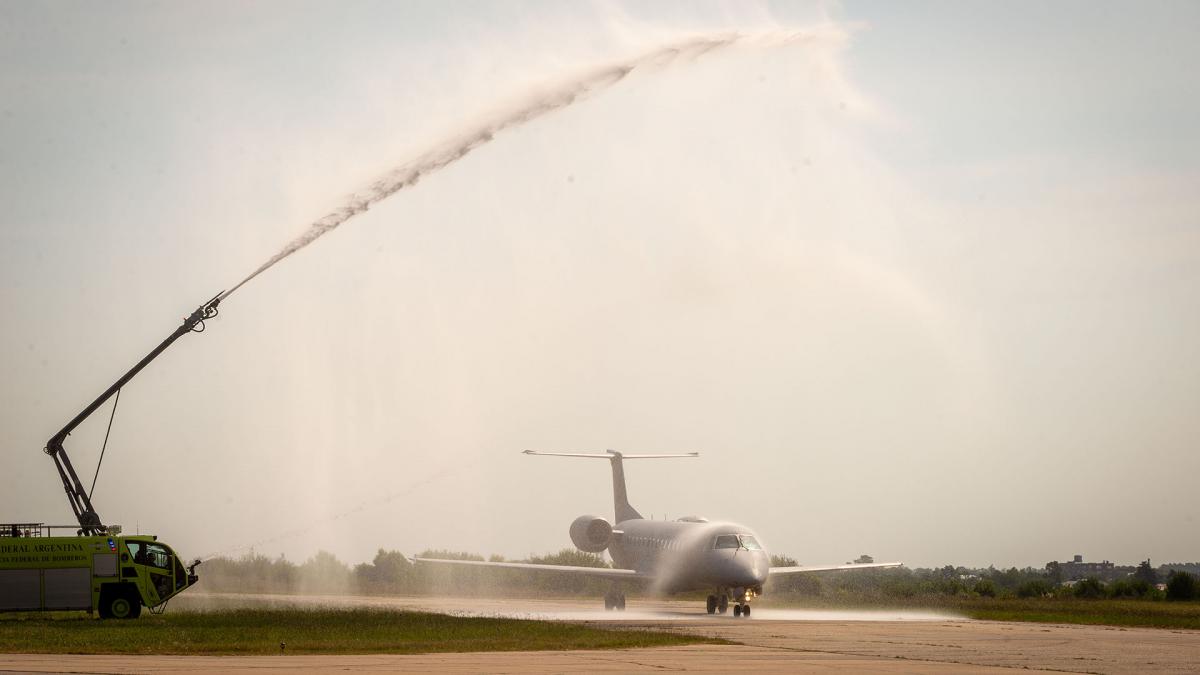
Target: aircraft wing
point(827, 568)
point(602, 572)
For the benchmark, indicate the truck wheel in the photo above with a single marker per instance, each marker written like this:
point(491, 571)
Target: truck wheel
point(120, 605)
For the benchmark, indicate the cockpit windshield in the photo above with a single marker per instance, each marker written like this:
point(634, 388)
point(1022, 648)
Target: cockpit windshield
point(726, 541)
point(746, 541)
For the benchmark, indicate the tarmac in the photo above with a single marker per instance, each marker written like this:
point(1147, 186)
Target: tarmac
point(796, 641)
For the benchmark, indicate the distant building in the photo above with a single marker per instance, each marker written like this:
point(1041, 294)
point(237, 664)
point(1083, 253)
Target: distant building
point(1077, 569)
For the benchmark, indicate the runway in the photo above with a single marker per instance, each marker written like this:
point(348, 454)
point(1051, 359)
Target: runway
point(772, 641)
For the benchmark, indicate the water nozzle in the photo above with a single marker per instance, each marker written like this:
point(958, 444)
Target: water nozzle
point(216, 300)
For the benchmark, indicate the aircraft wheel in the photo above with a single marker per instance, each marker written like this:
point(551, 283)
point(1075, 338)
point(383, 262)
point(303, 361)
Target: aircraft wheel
point(737, 610)
point(621, 602)
point(609, 602)
point(746, 611)
point(722, 604)
point(711, 606)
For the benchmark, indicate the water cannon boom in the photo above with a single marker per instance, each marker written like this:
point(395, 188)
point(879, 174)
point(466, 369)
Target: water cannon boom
point(80, 499)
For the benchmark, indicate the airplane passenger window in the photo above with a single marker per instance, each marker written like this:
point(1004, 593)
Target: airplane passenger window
point(726, 541)
point(750, 543)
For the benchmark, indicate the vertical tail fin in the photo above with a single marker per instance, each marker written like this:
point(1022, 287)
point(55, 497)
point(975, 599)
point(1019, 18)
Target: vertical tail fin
point(621, 507)
point(623, 510)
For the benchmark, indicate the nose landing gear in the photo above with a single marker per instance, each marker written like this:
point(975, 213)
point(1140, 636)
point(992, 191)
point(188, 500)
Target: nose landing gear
point(718, 603)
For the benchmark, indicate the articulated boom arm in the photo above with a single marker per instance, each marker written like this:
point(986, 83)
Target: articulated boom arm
point(81, 503)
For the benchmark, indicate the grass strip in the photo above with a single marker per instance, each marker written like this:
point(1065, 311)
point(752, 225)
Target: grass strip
point(1134, 613)
point(319, 631)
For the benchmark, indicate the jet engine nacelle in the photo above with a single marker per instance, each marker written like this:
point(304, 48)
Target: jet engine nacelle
point(591, 533)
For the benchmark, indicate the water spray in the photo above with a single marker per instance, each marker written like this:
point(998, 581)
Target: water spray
point(532, 107)
point(368, 504)
point(441, 155)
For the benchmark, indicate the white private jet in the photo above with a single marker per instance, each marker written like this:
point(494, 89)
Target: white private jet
point(682, 555)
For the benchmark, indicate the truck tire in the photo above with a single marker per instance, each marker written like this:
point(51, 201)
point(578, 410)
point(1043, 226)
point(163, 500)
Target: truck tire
point(120, 604)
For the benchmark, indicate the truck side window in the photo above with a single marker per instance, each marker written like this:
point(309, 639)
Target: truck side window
point(158, 556)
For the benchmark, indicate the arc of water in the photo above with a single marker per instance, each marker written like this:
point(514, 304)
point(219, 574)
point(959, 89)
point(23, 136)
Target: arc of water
point(533, 107)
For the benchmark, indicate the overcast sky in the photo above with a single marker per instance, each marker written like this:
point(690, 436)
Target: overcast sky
point(924, 285)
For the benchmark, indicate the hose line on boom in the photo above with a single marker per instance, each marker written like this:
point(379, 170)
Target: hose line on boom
point(105, 445)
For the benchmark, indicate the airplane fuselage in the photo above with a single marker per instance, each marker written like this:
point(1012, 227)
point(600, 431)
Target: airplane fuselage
point(691, 555)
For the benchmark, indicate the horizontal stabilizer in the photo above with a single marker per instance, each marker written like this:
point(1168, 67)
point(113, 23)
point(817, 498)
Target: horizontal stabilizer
point(829, 568)
point(623, 511)
point(609, 455)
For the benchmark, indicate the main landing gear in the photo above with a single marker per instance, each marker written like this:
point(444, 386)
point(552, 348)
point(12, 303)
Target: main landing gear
point(718, 604)
point(614, 600)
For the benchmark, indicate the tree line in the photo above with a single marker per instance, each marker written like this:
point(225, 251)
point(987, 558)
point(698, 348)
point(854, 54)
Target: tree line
point(904, 583)
point(391, 573)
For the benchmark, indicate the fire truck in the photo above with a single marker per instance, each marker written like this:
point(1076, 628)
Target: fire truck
point(108, 573)
point(96, 568)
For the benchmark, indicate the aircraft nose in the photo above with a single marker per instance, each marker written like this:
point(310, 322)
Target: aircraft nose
point(760, 569)
point(751, 570)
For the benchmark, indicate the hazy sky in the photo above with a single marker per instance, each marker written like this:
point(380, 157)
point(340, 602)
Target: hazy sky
point(924, 286)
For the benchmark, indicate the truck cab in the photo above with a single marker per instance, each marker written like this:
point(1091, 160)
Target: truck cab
point(154, 568)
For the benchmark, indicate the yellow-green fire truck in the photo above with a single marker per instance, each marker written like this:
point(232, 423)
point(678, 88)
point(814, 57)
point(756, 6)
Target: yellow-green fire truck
point(98, 569)
point(111, 574)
